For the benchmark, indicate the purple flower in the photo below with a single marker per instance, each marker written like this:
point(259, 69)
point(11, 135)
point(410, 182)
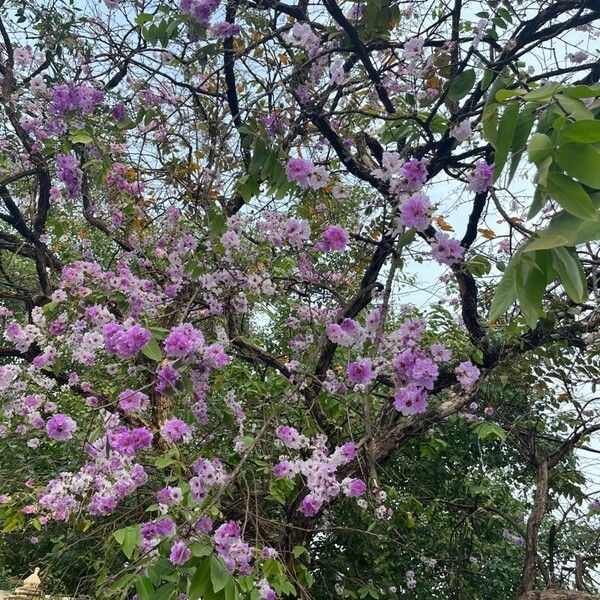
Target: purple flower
point(335, 238)
point(310, 506)
point(446, 250)
point(224, 30)
point(410, 400)
point(415, 212)
point(165, 527)
point(354, 488)
point(180, 553)
point(69, 173)
point(284, 469)
point(169, 496)
point(132, 400)
point(290, 437)
point(482, 177)
point(299, 169)
point(125, 343)
point(183, 341)
point(166, 377)
point(175, 429)
point(360, 371)
point(60, 427)
point(467, 374)
point(118, 112)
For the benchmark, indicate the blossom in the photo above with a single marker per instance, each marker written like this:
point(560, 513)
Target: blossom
point(353, 488)
point(360, 371)
point(410, 400)
point(310, 505)
point(180, 553)
point(69, 173)
point(416, 212)
point(132, 400)
point(175, 429)
point(467, 374)
point(413, 47)
point(299, 169)
point(446, 250)
point(290, 437)
point(481, 177)
point(462, 131)
point(183, 340)
point(335, 238)
point(60, 427)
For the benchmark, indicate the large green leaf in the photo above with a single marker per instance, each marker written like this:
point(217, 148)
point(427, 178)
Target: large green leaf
point(200, 581)
point(571, 196)
point(504, 138)
point(461, 85)
point(584, 132)
point(570, 272)
point(505, 293)
point(540, 147)
point(581, 161)
point(564, 230)
point(530, 284)
point(218, 574)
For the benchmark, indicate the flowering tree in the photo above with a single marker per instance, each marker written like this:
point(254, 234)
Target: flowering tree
point(299, 300)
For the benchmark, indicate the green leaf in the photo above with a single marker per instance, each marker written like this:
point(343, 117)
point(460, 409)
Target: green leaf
point(128, 538)
point(505, 293)
point(218, 222)
point(144, 588)
point(152, 350)
point(539, 200)
point(199, 549)
point(461, 85)
point(503, 95)
point(570, 272)
point(81, 138)
point(574, 107)
point(530, 284)
point(585, 132)
point(490, 123)
point(564, 230)
point(571, 196)
point(542, 93)
point(540, 147)
point(581, 161)
point(506, 130)
point(219, 575)
point(200, 580)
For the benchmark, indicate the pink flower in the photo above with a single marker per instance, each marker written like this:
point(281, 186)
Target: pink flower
point(180, 553)
point(133, 401)
point(335, 238)
point(410, 400)
point(175, 429)
point(183, 340)
point(415, 212)
point(353, 488)
point(299, 169)
point(467, 374)
point(60, 427)
point(310, 506)
point(481, 178)
point(360, 371)
point(446, 250)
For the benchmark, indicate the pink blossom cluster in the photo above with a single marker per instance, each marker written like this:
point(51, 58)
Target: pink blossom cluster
point(306, 174)
point(319, 472)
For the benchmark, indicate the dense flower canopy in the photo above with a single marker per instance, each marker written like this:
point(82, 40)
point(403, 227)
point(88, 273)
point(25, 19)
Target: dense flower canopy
point(300, 300)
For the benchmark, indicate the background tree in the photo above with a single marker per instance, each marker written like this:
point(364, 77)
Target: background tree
point(300, 299)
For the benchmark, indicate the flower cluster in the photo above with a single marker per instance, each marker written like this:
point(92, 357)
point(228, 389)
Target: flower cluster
point(319, 471)
point(69, 173)
point(306, 174)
